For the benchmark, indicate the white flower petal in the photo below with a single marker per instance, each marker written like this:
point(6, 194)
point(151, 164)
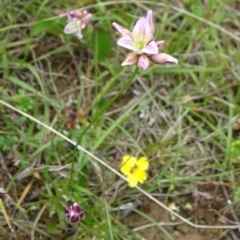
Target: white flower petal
point(126, 42)
point(130, 59)
point(71, 27)
point(150, 48)
point(160, 43)
point(142, 30)
point(122, 30)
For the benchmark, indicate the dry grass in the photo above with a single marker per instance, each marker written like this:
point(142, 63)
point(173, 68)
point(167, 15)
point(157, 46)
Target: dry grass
point(183, 118)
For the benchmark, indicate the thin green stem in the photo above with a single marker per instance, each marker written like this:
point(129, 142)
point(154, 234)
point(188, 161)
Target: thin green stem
point(123, 89)
point(101, 112)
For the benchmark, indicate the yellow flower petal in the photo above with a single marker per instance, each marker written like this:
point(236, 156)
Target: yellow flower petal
point(143, 163)
point(125, 169)
point(132, 180)
point(140, 175)
point(132, 185)
point(128, 162)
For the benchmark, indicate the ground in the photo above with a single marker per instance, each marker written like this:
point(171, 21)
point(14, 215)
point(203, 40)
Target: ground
point(184, 118)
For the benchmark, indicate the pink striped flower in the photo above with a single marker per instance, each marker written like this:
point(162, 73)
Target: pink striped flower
point(141, 42)
point(77, 20)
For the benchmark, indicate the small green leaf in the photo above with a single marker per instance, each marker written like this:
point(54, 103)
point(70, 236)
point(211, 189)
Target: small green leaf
point(233, 152)
point(41, 27)
point(53, 27)
point(51, 228)
point(102, 44)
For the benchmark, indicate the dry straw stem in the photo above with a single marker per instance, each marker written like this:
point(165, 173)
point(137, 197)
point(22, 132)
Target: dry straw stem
point(5, 199)
point(104, 163)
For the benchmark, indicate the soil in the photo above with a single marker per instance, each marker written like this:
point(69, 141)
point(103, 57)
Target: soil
point(179, 231)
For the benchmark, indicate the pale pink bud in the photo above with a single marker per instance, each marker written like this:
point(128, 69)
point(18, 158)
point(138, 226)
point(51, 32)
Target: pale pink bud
point(143, 62)
point(149, 18)
point(163, 58)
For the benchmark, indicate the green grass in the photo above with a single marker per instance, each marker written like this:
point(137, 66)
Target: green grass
point(183, 117)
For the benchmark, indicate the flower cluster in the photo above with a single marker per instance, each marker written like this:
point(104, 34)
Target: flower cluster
point(77, 20)
point(141, 42)
point(134, 169)
point(74, 213)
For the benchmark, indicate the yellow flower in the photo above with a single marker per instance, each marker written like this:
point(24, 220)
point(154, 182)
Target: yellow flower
point(134, 169)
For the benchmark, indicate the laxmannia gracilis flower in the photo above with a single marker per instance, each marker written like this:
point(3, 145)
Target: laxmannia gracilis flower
point(141, 42)
point(77, 20)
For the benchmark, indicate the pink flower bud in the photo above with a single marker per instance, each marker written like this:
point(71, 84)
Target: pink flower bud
point(74, 213)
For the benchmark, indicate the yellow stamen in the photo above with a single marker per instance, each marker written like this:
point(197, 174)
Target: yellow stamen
point(140, 41)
